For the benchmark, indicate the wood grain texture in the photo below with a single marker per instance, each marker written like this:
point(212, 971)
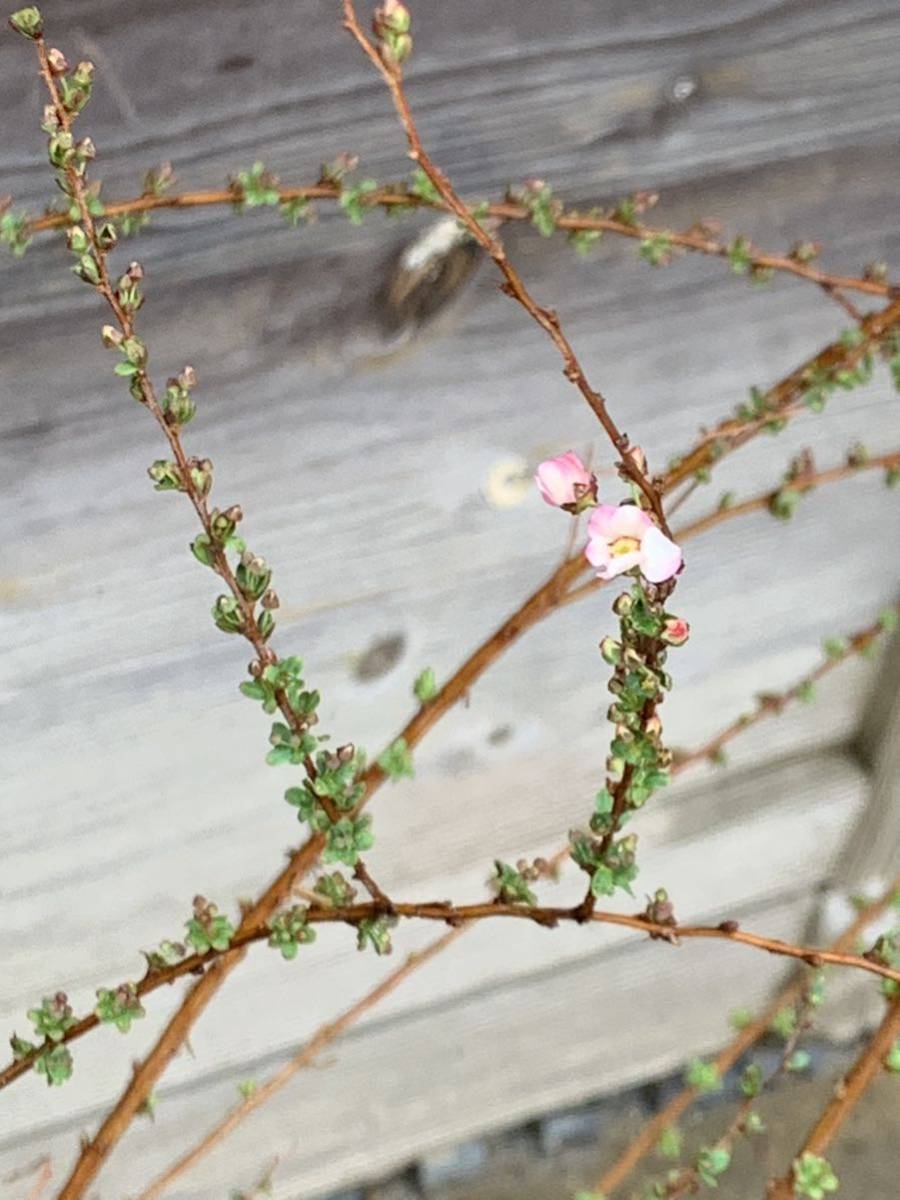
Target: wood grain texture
point(118, 694)
point(417, 1082)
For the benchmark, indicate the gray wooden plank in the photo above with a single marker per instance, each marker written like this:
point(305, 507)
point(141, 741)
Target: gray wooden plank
point(418, 1082)
point(789, 820)
point(783, 137)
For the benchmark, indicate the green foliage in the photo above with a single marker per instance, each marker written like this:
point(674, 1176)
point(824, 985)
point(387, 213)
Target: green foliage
point(228, 615)
point(422, 187)
point(784, 1023)
point(798, 1061)
point(890, 352)
point(703, 1076)
point(670, 1143)
point(335, 780)
point(656, 249)
point(247, 1087)
point(55, 1064)
point(712, 1162)
point(295, 210)
point(396, 761)
point(758, 407)
point(892, 1059)
point(511, 885)
point(290, 930)
point(753, 1122)
point(752, 1080)
point(836, 647)
point(335, 889)
point(14, 233)
point(821, 382)
point(783, 503)
point(289, 746)
point(53, 1018)
point(283, 678)
point(28, 21)
point(353, 200)
point(741, 1018)
point(813, 1177)
point(888, 619)
point(256, 188)
point(543, 206)
point(120, 1006)
point(347, 839)
point(375, 932)
point(805, 691)
point(167, 954)
point(425, 687)
point(157, 182)
point(583, 241)
point(740, 255)
point(208, 929)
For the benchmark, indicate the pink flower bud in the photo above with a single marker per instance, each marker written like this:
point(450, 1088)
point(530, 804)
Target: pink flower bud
point(676, 631)
point(565, 482)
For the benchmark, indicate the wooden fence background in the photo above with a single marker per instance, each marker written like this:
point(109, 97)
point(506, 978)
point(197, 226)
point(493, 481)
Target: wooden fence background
point(380, 470)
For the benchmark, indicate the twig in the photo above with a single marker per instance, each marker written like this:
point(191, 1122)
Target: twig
point(327, 1033)
point(647, 1140)
point(550, 596)
point(762, 501)
point(847, 1094)
point(396, 198)
point(513, 284)
point(304, 1057)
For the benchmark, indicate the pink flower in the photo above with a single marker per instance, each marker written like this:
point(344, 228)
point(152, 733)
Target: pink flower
point(566, 482)
point(676, 631)
point(624, 537)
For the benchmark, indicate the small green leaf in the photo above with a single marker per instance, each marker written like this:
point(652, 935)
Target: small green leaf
point(704, 1077)
point(396, 761)
point(425, 687)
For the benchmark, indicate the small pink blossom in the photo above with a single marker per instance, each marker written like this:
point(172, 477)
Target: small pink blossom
point(565, 482)
point(621, 538)
point(676, 631)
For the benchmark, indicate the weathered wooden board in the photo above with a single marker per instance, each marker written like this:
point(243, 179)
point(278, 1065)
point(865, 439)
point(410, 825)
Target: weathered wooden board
point(788, 820)
point(420, 1081)
point(379, 474)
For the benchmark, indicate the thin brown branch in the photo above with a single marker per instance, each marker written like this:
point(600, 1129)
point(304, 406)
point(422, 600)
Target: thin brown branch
point(513, 285)
point(783, 401)
point(304, 1057)
point(772, 704)
point(760, 502)
point(847, 1094)
point(648, 1139)
point(389, 197)
point(146, 1075)
point(551, 595)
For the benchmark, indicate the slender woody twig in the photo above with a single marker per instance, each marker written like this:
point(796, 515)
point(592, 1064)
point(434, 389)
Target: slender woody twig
point(513, 285)
point(194, 1003)
point(396, 197)
point(847, 1094)
point(648, 1138)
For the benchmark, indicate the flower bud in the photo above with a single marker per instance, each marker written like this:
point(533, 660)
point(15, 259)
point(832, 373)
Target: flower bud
point(111, 337)
point(566, 483)
point(28, 22)
point(675, 631)
point(57, 61)
point(611, 650)
point(391, 23)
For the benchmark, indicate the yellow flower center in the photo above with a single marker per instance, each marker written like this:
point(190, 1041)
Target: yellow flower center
point(624, 545)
